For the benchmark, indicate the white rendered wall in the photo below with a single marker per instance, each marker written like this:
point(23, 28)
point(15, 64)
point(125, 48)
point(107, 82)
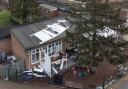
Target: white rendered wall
point(47, 64)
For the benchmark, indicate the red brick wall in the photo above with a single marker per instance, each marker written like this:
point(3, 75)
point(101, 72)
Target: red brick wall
point(5, 45)
point(19, 51)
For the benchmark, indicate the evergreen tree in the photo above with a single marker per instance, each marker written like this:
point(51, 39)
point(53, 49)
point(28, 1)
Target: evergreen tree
point(24, 11)
point(97, 28)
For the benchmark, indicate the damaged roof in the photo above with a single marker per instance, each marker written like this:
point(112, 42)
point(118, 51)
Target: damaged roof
point(29, 35)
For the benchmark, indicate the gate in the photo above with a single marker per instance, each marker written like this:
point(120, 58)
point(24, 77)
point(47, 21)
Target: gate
point(9, 71)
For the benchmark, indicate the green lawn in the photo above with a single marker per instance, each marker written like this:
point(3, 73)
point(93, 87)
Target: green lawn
point(5, 18)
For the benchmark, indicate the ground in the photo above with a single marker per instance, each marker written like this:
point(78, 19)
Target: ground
point(5, 18)
point(13, 85)
point(92, 80)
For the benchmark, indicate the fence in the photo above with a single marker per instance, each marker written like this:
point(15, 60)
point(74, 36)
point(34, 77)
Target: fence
point(9, 71)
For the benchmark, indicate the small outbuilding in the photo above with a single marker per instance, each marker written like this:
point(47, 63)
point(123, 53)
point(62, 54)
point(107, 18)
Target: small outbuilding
point(49, 10)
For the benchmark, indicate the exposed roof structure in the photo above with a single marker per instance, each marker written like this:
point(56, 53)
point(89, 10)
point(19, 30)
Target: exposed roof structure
point(51, 31)
point(37, 34)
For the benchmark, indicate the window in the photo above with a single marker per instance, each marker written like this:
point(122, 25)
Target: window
point(42, 54)
point(58, 47)
point(54, 48)
point(35, 55)
point(45, 49)
point(49, 50)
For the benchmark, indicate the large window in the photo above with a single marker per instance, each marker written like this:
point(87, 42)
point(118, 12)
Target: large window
point(37, 55)
point(51, 49)
point(54, 48)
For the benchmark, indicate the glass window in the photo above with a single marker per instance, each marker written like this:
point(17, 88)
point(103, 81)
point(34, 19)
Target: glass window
point(54, 48)
point(59, 47)
point(35, 55)
point(49, 50)
point(42, 55)
point(60, 42)
point(33, 51)
point(33, 58)
point(42, 48)
point(46, 49)
point(37, 50)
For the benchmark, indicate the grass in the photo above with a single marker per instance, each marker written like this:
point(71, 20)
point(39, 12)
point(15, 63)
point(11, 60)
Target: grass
point(5, 18)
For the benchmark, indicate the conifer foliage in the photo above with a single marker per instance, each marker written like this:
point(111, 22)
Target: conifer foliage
point(24, 11)
point(97, 30)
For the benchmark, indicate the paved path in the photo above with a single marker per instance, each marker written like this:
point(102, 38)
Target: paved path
point(13, 85)
point(120, 84)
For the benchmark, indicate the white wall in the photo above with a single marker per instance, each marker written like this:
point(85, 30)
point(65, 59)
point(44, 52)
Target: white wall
point(47, 64)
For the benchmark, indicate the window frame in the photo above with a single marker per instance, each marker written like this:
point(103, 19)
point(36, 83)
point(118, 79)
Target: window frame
point(35, 53)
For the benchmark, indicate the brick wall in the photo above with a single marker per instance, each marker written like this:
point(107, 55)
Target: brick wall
point(5, 45)
point(19, 51)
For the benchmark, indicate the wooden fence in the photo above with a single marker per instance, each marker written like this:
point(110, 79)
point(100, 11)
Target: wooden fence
point(9, 71)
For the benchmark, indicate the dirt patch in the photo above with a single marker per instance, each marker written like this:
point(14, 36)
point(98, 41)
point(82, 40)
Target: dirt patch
point(104, 70)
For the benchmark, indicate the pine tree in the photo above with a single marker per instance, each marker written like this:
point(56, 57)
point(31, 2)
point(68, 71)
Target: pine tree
point(97, 28)
point(24, 11)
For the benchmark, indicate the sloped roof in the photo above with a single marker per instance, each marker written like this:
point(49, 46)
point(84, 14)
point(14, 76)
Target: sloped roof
point(51, 8)
point(4, 33)
point(29, 37)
